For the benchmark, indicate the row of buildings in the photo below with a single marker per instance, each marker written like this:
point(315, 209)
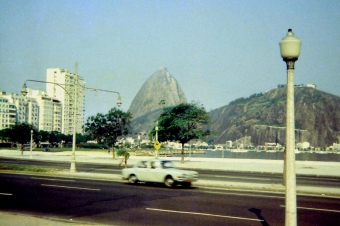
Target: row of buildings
point(50, 110)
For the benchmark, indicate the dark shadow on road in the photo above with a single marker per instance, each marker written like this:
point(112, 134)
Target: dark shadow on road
point(161, 185)
point(258, 214)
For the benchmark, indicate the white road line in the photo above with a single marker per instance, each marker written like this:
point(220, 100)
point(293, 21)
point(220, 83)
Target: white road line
point(40, 178)
point(230, 193)
point(203, 214)
point(59, 186)
point(5, 194)
point(316, 209)
point(250, 178)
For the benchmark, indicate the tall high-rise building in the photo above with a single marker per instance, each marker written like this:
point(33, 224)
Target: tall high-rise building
point(70, 85)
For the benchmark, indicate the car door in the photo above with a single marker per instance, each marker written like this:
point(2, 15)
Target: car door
point(156, 173)
point(142, 170)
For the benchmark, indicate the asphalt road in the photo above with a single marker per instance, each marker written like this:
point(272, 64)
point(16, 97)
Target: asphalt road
point(113, 203)
point(263, 178)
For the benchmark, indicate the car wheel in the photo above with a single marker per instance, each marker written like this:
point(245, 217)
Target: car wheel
point(169, 182)
point(133, 179)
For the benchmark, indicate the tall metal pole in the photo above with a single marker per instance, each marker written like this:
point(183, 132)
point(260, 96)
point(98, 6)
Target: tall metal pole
point(75, 111)
point(290, 51)
point(156, 128)
point(31, 144)
point(290, 207)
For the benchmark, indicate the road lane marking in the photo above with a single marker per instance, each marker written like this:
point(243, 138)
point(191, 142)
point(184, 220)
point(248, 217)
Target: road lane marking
point(316, 209)
point(39, 178)
point(251, 178)
point(230, 193)
point(5, 194)
point(204, 214)
point(59, 186)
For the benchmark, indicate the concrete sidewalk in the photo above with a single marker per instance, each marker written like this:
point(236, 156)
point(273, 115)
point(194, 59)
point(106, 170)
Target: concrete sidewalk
point(329, 169)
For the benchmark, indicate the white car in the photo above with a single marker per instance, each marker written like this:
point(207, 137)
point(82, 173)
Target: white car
point(159, 171)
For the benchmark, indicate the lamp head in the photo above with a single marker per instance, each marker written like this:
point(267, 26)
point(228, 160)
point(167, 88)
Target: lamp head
point(119, 102)
point(290, 47)
point(24, 90)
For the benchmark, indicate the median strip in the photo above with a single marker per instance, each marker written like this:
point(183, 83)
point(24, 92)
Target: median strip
point(59, 186)
point(248, 178)
point(316, 209)
point(29, 168)
point(243, 194)
point(42, 178)
point(204, 214)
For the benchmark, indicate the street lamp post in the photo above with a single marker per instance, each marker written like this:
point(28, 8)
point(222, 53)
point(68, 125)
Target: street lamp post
point(73, 158)
point(139, 141)
point(156, 128)
point(75, 111)
point(31, 144)
point(290, 50)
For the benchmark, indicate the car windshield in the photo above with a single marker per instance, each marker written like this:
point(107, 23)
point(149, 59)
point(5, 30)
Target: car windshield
point(167, 164)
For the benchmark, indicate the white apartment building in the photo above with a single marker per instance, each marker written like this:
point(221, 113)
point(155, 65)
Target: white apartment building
point(38, 109)
point(229, 144)
point(7, 113)
point(336, 147)
point(303, 145)
point(50, 110)
point(66, 93)
point(26, 109)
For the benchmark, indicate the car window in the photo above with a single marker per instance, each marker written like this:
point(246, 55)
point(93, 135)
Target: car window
point(167, 164)
point(155, 165)
point(142, 164)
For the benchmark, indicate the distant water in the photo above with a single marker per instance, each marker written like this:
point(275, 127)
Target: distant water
point(302, 156)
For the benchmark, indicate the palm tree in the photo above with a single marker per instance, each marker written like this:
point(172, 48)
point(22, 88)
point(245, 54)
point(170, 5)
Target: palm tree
point(126, 156)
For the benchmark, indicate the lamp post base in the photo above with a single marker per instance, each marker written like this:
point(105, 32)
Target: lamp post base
point(73, 167)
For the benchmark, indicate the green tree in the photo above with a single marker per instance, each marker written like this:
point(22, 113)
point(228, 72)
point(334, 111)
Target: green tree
point(81, 138)
point(126, 156)
point(109, 127)
point(21, 133)
point(43, 135)
point(182, 123)
point(4, 135)
point(56, 137)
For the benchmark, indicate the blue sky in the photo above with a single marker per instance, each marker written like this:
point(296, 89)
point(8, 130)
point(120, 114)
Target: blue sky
point(217, 50)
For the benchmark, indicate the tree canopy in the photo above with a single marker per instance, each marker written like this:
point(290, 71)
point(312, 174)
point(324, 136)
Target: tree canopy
point(20, 133)
point(182, 123)
point(108, 127)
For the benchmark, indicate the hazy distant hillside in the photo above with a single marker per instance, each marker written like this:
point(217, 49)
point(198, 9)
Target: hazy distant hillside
point(263, 117)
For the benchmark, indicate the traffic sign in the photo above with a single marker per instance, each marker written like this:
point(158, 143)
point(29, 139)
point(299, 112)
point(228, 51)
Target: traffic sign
point(157, 145)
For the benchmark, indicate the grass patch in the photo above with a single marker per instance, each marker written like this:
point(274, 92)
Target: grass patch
point(15, 167)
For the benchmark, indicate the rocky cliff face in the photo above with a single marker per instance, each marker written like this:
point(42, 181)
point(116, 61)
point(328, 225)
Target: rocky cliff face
point(159, 91)
point(263, 118)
